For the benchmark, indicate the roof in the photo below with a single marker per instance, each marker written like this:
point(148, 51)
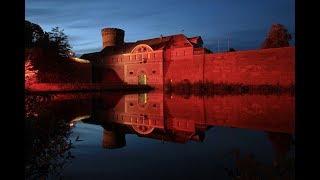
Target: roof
point(90, 56)
point(196, 41)
point(155, 43)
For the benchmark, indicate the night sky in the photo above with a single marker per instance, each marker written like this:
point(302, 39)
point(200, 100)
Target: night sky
point(245, 22)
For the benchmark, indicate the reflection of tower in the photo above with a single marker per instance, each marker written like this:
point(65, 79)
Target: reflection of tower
point(113, 139)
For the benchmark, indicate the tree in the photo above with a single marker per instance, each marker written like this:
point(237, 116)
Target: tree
point(33, 34)
point(278, 36)
point(30, 73)
point(54, 42)
point(58, 42)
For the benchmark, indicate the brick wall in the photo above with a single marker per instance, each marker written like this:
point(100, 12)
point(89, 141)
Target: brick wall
point(152, 70)
point(68, 72)
point(254, 67)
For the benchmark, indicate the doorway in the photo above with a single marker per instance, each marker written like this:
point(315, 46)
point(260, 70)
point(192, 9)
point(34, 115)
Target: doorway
point(142, 79)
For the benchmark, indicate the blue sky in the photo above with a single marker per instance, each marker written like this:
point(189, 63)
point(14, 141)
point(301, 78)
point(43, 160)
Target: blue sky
point(245, 22)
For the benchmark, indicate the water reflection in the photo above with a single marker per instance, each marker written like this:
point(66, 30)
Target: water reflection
point(177, 119)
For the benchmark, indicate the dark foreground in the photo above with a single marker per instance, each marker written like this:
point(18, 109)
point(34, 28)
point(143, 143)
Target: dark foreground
point(159, 136)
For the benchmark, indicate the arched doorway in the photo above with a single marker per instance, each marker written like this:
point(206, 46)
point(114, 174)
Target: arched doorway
point(142, 78)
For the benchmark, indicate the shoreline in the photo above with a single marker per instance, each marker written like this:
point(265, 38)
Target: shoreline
point(53, 88)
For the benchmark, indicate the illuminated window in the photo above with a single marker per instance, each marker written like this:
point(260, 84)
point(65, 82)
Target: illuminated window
point(143, 99)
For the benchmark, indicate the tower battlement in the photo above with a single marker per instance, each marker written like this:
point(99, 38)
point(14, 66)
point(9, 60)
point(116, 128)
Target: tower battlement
point(112, 37)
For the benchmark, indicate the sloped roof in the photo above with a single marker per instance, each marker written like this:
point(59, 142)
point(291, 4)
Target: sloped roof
point(196, 41)
point(154, 43)
point(91, 56)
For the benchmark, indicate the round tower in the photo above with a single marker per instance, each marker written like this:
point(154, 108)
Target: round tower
point(112, 37)
point(113, 139)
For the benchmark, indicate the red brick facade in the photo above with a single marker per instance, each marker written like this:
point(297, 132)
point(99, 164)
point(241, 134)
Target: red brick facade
point(178, 58)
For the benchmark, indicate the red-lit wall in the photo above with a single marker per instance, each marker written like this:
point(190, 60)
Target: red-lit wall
point(68, 73)
point(267, 66)
point(180, 64)
point(254, 67)
point(153, 72)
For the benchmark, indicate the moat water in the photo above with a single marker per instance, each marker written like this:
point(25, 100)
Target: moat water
point(159, 136)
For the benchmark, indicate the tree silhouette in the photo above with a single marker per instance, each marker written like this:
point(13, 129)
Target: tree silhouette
point(54, 43)
point(58, 42)
point(33, 34)
point(278, 36)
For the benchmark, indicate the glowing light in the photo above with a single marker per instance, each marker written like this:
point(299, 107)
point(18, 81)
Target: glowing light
point(80, 60)
point(78, 119)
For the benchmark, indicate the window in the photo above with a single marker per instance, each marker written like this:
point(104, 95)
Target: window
point(139, 57)
point(153, 72)
point(131, 72)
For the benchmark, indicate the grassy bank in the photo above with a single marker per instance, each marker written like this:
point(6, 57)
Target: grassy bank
point(83, 87)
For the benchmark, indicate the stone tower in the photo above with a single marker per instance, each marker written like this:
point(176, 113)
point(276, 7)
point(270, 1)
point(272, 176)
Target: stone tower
point(112, 37)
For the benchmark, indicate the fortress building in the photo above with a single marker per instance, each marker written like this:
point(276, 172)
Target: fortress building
point(177, 58)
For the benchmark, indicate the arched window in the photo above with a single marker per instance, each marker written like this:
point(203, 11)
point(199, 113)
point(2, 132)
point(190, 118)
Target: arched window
point(142, 48)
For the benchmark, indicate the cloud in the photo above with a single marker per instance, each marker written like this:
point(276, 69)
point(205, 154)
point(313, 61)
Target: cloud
point(88, 50)
point(34, 12)
point(212, 19)
point(240, 39)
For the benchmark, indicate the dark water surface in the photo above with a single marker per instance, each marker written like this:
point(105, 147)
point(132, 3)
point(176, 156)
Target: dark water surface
point(158, 136)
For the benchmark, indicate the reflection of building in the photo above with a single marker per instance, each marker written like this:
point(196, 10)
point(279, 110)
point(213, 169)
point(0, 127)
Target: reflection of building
point(113, 139)
point(171, 118)
point(178, 119)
